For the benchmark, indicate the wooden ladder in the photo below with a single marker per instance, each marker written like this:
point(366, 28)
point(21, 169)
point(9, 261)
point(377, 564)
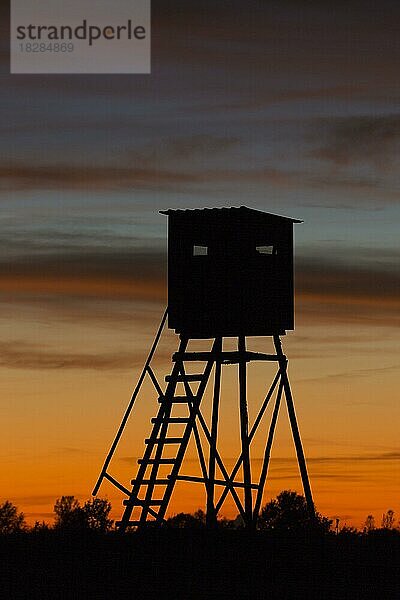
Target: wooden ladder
point(151, 489)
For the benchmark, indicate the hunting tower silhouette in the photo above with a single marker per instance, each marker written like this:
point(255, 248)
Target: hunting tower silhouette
point(230, 275)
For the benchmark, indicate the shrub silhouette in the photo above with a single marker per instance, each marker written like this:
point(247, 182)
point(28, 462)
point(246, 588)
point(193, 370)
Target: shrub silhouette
point(11, 521)
point(289, 512)
point(40, 527)
point(68, 514)
point(388, 520)
point(96, 512)
point(187, 521)
point(369, 524)
point(93, 515)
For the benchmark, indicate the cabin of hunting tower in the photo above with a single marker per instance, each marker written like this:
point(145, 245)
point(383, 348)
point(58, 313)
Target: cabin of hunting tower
point(230, 272)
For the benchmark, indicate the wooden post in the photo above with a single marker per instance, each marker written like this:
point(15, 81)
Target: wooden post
point(211, 514)
point(264, 470)
point(244, 432)
point(293, 423)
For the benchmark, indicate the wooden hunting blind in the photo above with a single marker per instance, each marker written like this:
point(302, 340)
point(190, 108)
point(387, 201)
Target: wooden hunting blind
point(230, 272)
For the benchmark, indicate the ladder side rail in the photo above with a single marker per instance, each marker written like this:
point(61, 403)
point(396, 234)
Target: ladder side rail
point(167, 403)
point(134, 493)
point(211, 515)
point(157, 457)
point(193, 403)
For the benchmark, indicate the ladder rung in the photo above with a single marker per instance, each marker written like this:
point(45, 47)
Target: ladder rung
point(177, 399)
point(231, 358)
point(201, 356)
point(160, 461)
point(187, 377)
point(150, 503)
point(134, 502)
point(170, 440)
point(173, 420)
point(148, 481)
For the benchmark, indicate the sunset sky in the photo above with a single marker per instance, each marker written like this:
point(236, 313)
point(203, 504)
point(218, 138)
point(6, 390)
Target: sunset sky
point(288, 107)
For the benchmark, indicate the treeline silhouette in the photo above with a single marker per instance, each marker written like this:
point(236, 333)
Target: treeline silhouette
point(287, 513)
point(288, 555)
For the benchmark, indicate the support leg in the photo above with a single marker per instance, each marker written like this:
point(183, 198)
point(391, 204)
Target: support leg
point(211, 514)
point(293, 423)
point(264, 470)
point(244, 433)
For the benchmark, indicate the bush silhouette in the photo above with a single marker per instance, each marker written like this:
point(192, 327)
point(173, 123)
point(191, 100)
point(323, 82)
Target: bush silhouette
point(11, 521)
point(93, 515)
point(289, 512)
point(96, 512)
point(187, 521)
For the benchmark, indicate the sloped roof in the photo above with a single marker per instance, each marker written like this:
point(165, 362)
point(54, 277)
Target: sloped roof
point(241, 210)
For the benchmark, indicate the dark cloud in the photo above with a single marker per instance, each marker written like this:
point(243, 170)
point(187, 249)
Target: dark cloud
point(21, 355)
point(100, 274)
point(382, 456)
point(330, 476)
point(236, 39)
point(35, 500)
point(297, 35)
point(338, 292)
point(112, 312)
point(113, 265)
point(180, 179)
point(371, 282)
point(20, 177)
point(185, 148)
point(350, 458)
point(372, 140)
point(265, 98)
point(355, 373)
